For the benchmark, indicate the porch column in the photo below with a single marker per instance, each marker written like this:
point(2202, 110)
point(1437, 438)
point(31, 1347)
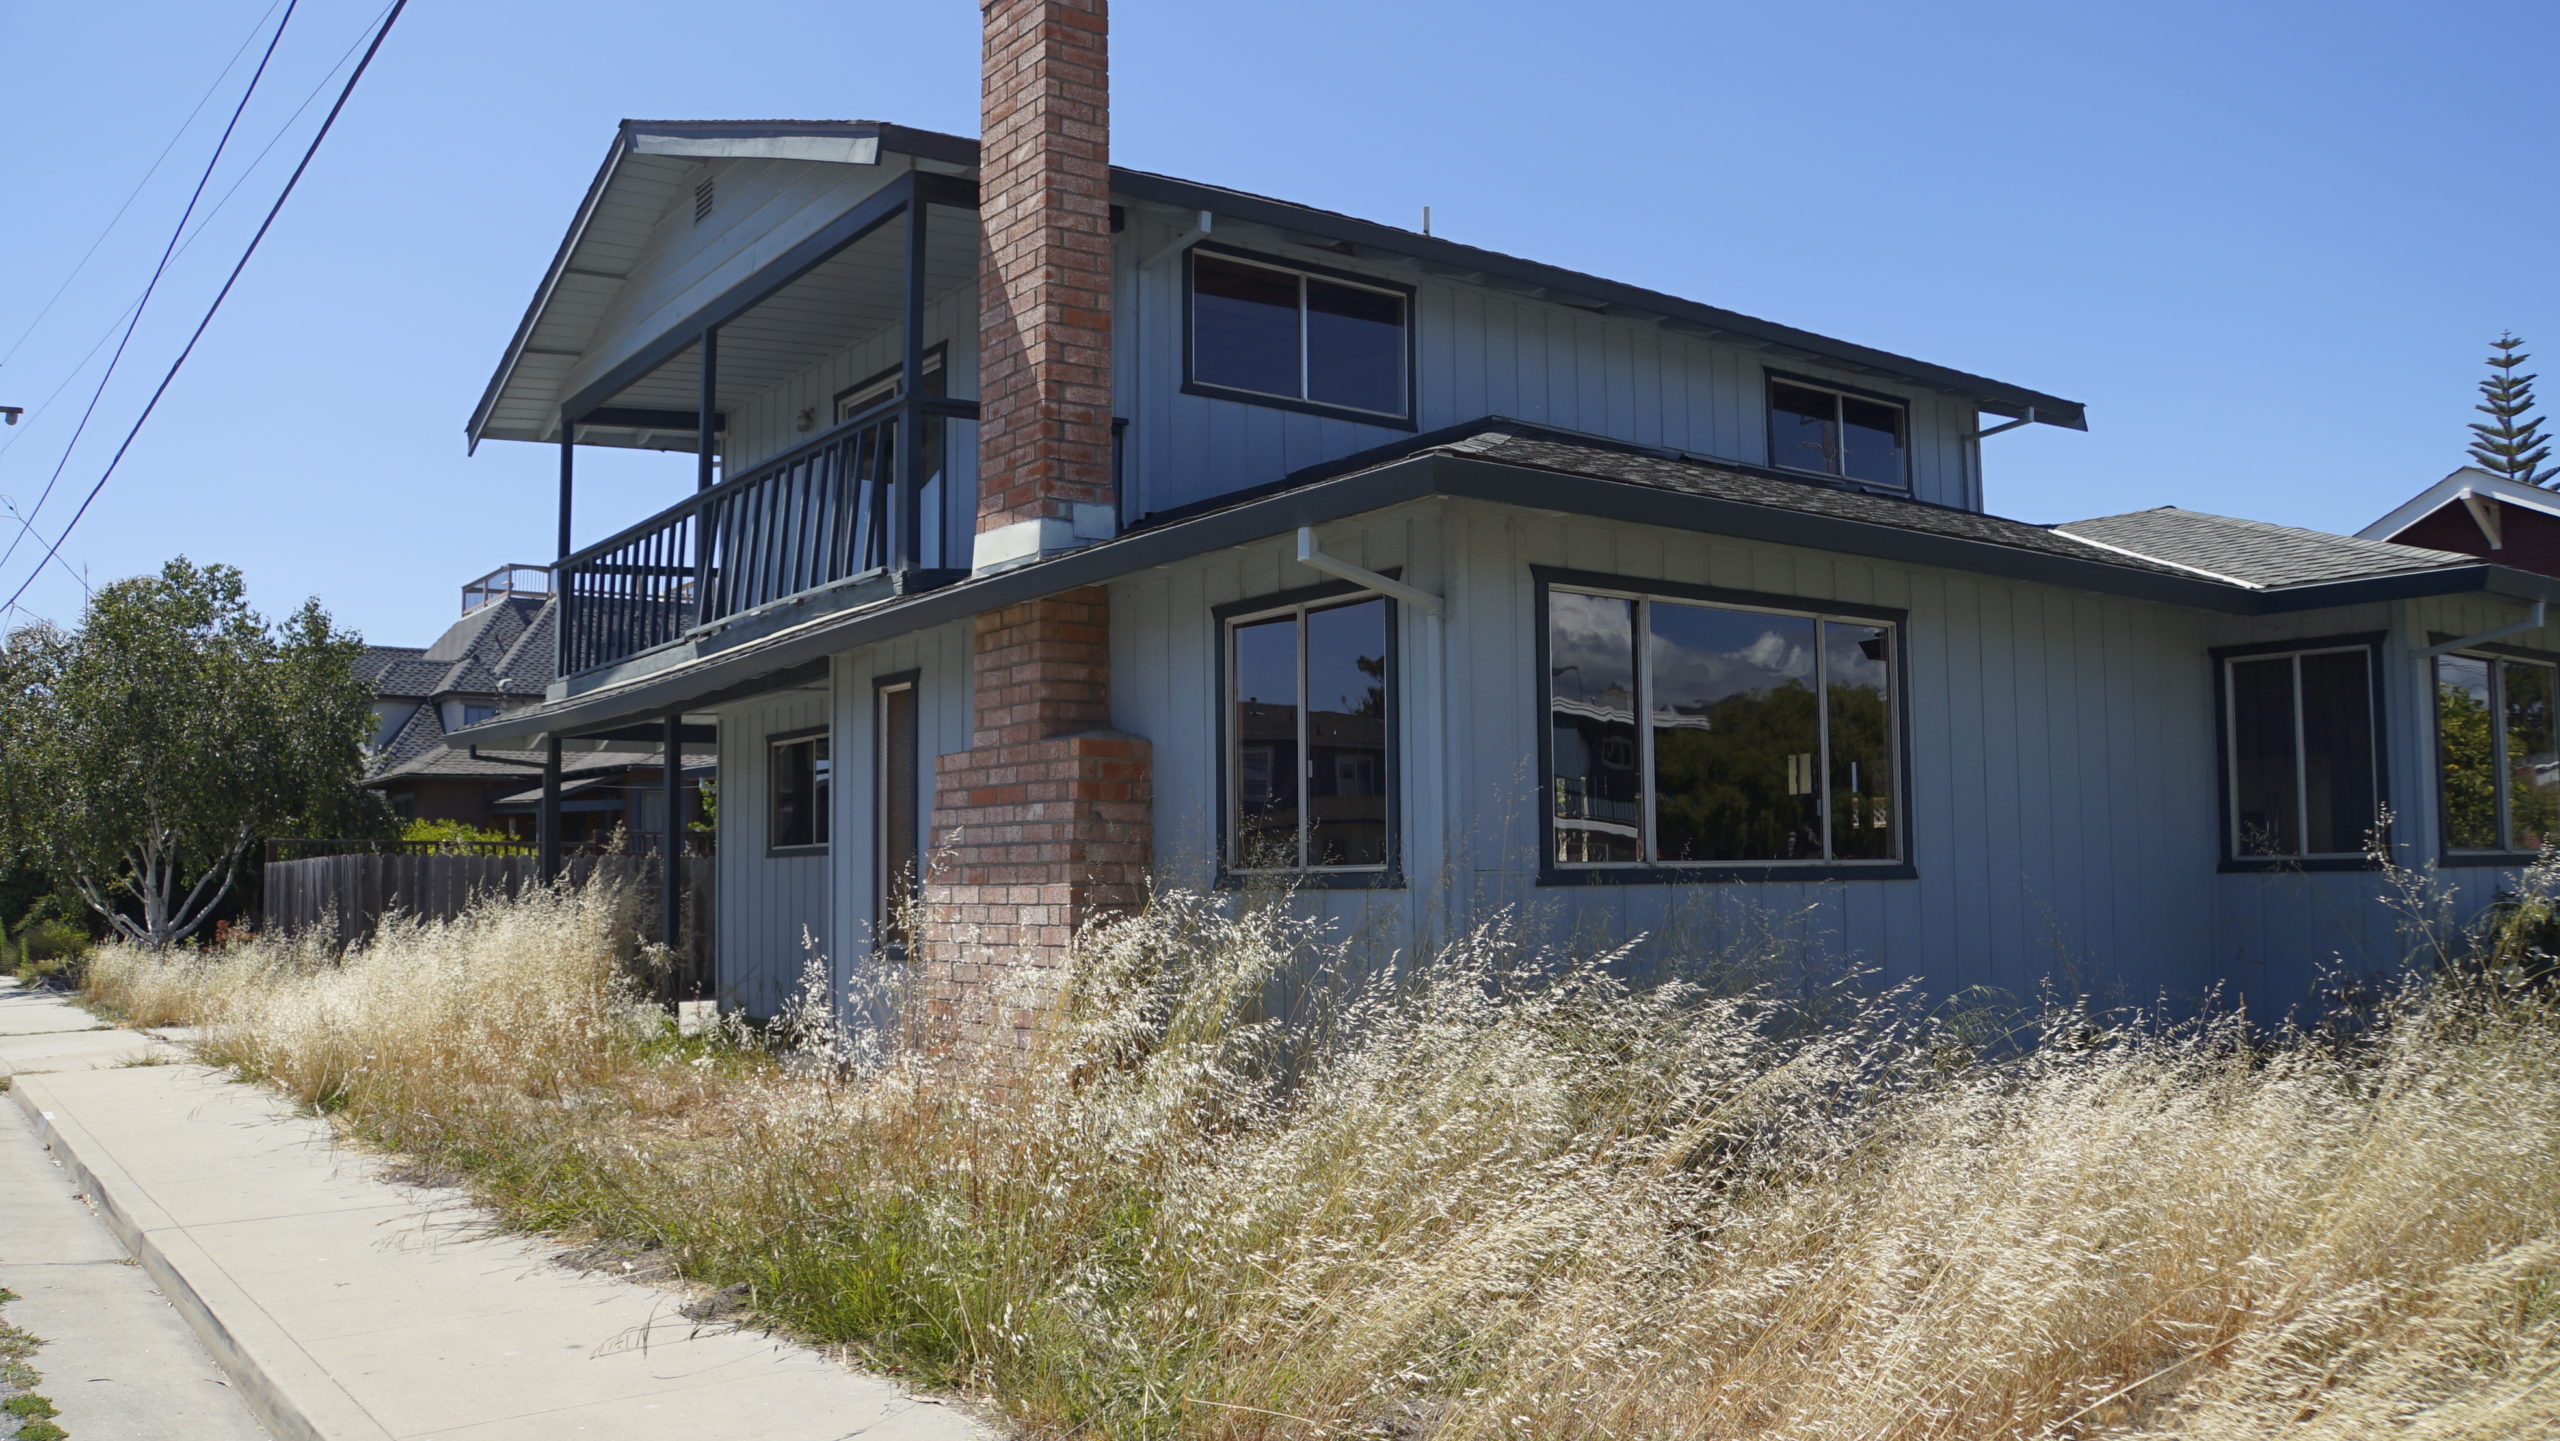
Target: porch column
point(546, 824)
point(706, 421)
point(905, 528)
point(568, 465)
point(671, 845)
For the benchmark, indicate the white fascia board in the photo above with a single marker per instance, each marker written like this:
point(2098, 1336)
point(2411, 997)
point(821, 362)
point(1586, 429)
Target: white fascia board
point(833, 149)
point(2444, 492)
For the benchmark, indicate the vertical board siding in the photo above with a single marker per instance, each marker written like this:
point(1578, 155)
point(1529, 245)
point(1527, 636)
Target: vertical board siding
point(767, 903)
point(1478, 350)
point(2060, 774)
point(940, 660)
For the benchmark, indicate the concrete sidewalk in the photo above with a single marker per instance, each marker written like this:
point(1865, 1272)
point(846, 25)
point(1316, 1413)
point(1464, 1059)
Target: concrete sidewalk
point(347, 1306)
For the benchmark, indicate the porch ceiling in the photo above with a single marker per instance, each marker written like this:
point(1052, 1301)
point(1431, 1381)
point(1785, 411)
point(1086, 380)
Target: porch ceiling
point(853, 294)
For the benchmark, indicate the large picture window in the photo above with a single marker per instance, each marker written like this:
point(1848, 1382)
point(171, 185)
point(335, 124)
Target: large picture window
point(799, 777)
point(1864, 438)
point(1310, 764)
point(1269, 332)
point(2498, 767)
point(2302, 759)
point(1701, 733)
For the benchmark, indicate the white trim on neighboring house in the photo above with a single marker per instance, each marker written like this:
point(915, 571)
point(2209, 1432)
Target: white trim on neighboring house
point(2480, 493)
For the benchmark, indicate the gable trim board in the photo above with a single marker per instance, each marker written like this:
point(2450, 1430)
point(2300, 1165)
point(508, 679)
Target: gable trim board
point(1438, 475)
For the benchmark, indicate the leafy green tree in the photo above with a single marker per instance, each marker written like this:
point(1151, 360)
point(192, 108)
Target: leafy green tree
point(142, 754)
point(2510, 443)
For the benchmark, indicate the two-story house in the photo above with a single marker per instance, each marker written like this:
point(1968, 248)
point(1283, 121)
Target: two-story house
point(1060, 525)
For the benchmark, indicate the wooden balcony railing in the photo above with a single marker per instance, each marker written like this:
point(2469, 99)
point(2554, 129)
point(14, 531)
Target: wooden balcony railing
point(843, 506)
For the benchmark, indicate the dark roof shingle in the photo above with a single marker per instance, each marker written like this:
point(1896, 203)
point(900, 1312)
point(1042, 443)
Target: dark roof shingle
point(2254, 553)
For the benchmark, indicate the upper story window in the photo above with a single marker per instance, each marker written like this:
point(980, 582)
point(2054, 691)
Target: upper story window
point(2498, 767)
point(799, 778)
point(1690, 733)
point(476, 711)
point(1829, 431)
point(1310, 770)
point(1300, 338)
point(2302, 760)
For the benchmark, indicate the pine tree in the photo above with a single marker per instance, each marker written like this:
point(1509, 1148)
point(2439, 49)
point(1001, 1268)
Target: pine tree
point(2510, 442)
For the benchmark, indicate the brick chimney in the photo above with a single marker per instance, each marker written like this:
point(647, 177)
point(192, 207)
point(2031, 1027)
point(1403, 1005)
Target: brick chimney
point(1044, 333)
point(1044, 823)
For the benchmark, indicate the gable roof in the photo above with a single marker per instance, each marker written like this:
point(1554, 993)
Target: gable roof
point(2470, 480)
point(491, 652)
point(2253, 553)
point(649, 160)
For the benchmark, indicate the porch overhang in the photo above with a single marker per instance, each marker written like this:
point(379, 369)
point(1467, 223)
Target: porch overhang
point(796, 654)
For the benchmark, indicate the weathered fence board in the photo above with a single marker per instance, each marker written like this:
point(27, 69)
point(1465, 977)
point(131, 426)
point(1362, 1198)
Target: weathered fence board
point(346, 897)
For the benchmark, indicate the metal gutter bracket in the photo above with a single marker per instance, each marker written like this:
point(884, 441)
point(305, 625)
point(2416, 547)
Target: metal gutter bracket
point(1313, 557)
point(2532, 621)
point(1199, 231)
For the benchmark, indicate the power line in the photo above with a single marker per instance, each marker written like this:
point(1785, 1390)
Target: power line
point(175, 235)
point(215, 308)
point(37, 411)
point(58, 291)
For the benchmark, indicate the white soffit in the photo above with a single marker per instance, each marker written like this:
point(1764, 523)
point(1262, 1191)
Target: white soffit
point(834, 149)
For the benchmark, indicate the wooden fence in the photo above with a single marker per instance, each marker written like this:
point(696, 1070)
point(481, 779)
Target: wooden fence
point(345, 889)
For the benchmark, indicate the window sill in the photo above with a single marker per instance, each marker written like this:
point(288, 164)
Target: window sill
point(2280, 865)
point(1765, 872)
point(2486, 860)
point(1391, 879)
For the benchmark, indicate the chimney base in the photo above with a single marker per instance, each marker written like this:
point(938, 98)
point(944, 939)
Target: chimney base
point(1025, 541)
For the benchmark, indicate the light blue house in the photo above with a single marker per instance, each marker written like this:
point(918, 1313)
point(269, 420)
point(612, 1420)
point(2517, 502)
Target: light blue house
point(1438, 579)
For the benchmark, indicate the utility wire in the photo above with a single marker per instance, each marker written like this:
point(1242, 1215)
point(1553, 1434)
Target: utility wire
point(313, 149)
point(36, 412)
point(175, 235)
point(245, 42)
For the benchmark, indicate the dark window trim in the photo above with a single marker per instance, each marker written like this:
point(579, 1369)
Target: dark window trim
point(2372, 641)
point(2446, 853)
point(940, 349)
point(1769, 442)
point(1545, 578)
point(1382, 419)
point(784, 738)
point(1390, 877)
point(910, 679)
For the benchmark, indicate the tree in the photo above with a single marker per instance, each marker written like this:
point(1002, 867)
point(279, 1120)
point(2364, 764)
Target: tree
point(2509, 443)
point(144, 753)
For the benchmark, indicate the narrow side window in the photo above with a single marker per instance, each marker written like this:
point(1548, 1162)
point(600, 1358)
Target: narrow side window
point(798, 775)
point(1310, 766)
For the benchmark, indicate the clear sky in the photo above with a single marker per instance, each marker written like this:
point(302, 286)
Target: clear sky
point(2265, 243)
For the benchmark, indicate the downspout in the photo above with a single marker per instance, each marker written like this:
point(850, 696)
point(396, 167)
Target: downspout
point(2532, 621)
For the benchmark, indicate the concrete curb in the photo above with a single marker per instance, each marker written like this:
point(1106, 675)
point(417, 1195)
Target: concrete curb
point(291, 1394)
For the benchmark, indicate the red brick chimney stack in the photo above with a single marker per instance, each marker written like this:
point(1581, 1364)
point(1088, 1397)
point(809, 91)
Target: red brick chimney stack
point(1044, 333)
point(1044, 822)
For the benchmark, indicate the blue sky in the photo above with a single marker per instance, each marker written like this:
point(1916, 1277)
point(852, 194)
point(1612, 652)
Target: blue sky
point(2266, 244)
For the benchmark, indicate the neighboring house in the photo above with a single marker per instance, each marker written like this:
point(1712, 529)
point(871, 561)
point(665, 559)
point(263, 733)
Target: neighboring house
point(2480, 514)
point(1229, 538)
point(498, 657)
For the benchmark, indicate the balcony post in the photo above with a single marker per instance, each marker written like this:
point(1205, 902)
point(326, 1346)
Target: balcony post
point(707, 420)
point(560, 573)
point(905, 529)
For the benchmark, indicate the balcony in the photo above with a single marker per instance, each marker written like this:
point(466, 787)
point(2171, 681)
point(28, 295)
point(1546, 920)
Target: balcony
point(851, 506)
point(876, 309)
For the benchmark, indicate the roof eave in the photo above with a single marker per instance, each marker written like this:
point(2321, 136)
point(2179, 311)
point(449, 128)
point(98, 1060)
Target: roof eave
point(614, 156)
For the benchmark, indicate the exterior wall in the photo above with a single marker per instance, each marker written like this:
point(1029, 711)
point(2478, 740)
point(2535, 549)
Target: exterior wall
point(764, 207)
point(1480, 351)
point(2061, 801)
point(767, 902)
point(939, 660)
point(766, 425)
point(2531, 538)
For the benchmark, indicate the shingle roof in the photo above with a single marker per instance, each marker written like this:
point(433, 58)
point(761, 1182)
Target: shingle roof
point(1521, 444)
point(503, 649)
point(2254, 553)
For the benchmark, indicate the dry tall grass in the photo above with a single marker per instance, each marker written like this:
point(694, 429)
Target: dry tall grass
point(1502, 1195)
